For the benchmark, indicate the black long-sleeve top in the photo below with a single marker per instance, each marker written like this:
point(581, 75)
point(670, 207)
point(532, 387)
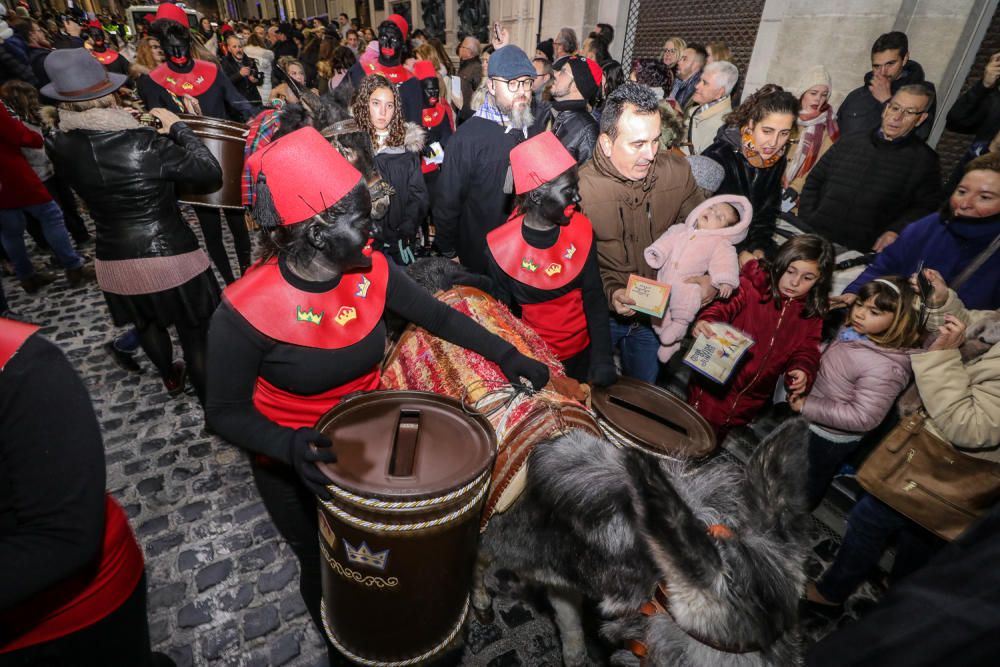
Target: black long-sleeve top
point(51, 473)
point(238, 354)
point(595, 307)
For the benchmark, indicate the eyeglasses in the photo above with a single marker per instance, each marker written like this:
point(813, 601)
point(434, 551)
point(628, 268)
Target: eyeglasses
point(514, 85)
point(897, 110)
point(671, 50)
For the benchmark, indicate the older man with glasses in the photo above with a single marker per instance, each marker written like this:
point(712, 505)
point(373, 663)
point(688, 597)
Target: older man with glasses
point(475, 190)
point(869, 186)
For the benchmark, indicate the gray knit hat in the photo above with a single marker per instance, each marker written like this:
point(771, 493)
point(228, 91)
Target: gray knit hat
point(708, 173)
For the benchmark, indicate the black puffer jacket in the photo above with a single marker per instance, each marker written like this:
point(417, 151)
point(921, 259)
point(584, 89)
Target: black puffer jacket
point(576, 129)
point(126, 174)
point(860, 113)
point(865, 185)
point(761, 186)
point(400, 166)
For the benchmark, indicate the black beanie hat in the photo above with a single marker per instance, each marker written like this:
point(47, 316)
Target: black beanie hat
point(548, 48)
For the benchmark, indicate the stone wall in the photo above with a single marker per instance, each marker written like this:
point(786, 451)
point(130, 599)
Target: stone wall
point(795, 35)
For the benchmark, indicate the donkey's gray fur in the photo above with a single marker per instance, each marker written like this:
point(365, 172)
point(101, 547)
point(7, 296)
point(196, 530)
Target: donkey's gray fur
point(610, 523)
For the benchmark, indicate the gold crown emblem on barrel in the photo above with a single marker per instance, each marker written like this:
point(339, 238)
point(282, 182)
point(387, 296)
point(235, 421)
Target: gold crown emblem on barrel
point(363, 555)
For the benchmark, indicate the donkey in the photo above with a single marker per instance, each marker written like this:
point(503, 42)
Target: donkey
point(690, 567)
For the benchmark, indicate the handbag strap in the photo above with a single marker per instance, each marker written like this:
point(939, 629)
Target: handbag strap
point(980, 259)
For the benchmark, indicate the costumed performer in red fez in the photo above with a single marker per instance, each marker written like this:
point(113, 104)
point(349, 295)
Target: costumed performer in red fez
point(544, 261)
point(183, 84)
point(392, 51)
point(303, 328)
point(72, 589)
point(111, 59)
point(437, 116)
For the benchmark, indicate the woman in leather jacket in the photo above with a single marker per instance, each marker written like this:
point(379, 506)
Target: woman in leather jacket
point(751, 148)
point(153, 273)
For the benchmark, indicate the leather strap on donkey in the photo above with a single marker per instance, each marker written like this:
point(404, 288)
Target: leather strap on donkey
point(659, 603)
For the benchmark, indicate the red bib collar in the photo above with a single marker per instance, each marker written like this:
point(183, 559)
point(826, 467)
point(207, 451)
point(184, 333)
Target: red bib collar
point(433, 116)
point(551, 268)
point(106, 58)
point(329, 320)
point(197, 81)
point(397, 74)
point(12, 337)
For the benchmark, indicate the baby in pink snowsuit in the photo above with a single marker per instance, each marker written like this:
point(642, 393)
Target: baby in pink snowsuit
point(705, 243)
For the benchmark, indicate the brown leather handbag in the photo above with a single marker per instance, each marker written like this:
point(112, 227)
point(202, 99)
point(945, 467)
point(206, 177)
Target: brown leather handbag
point(925, 478)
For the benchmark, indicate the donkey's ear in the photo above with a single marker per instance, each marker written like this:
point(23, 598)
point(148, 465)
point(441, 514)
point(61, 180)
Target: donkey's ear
point(775, 483)
point(678, 542)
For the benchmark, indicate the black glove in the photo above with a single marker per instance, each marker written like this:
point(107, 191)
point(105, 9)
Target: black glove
point(304, 458)
point(515, 366)
point(602, 375)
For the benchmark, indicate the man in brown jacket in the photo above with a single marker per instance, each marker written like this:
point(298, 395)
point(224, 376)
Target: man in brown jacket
point(632, 192)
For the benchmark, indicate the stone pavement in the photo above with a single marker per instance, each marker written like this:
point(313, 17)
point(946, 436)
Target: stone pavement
point(223, 587)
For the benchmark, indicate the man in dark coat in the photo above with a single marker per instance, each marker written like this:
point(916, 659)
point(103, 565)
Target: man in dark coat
point(475, 189)
point(576, 82)
point(868, 187)
point(976, 112)
point(861, 110)
point(241, 69)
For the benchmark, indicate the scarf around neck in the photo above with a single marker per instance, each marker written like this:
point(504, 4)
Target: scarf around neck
point(811, 134)
point(749, 150)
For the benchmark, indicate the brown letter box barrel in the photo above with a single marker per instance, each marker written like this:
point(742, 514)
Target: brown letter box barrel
point(225, 140)
point(398, 539)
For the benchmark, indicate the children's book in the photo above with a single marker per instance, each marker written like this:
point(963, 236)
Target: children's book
point(650, 296)
point(716, 357)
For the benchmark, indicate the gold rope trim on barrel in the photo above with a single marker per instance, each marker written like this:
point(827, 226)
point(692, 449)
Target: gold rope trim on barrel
point(404, 527)
point(399, 663)
point(619, 440)
point(353, 575)
point(406, 505)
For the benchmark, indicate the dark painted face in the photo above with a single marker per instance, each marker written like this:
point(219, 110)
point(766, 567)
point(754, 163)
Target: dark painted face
point(390, 43)
point(177, 47)
point(348, 234)
point(432, 91)
point(557, 200)
point(96, 37)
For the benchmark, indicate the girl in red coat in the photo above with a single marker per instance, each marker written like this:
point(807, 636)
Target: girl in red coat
point(780, 305)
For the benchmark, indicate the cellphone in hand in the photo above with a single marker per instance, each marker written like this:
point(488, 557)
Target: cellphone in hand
point(923, 283)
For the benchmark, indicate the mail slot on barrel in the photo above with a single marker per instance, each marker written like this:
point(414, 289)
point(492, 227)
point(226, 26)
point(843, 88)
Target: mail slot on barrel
point(398, 539)
point(637, 414)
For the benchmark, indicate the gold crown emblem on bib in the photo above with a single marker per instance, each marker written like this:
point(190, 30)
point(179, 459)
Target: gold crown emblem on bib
point(307, 315)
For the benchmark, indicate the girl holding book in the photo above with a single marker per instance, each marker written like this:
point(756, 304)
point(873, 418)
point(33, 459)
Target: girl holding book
point(861, 374)
point(780, 305)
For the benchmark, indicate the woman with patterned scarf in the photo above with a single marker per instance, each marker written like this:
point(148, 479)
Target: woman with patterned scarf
point(818, 129)
point(751, 149)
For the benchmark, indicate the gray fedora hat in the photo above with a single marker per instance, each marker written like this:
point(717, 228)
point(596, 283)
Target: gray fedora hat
point(76, 76)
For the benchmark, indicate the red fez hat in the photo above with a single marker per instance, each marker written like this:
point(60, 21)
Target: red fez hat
point(424, 69)
point(172, 12)
point(94, 23)
point(539, 160)
point(301, 175)
point(226, 28)
point(401, 24)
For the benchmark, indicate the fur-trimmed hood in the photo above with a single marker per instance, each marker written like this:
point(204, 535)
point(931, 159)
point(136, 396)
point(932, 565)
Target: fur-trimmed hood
point(413, 141)
point(97, 120)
